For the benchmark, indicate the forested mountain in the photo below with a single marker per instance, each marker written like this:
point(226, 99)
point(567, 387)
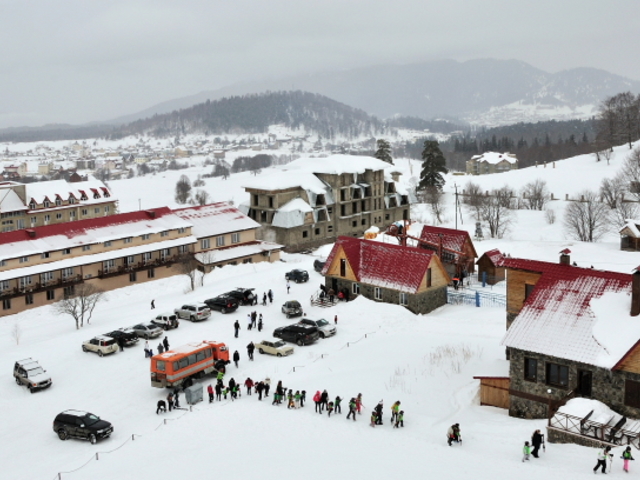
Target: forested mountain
point(309, 112)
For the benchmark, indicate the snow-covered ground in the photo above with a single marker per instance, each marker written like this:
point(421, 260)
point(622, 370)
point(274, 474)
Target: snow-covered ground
point(382, 351)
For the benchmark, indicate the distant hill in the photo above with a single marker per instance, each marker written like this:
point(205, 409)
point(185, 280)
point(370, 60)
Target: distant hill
point(487, 92)
point(308, 112)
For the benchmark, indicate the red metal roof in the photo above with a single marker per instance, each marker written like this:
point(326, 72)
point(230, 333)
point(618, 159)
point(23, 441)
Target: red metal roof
point(71, 229)
point(383, 264)
point(496, 257)
point(451, 239)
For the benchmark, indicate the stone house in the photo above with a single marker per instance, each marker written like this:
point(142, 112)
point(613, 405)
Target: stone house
point(491, 162)
point(454, 247)
point(411, 277)
point(312, 201)
point(491, 267)
point(630, 236)
point(572, 332)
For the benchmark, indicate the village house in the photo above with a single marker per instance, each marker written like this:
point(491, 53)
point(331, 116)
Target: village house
point(491, 162)
point(571, 332)
point(42, 265)
point(411, 277)
point(454, 247)
point(47, 203)
point(630, 236)
point(491, 268)
point(310, 202)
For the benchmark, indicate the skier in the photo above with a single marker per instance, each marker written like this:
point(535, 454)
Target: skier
point(236, 358)
point(536, 440)
point(378, 410)
point(316, 399)
point(165, 342)
point(210, 392)
point(249, 384)
point(250, 348)
point(454, 434)
point(336, 404)
point(626, 456)
point(602, 459)
point(324, 398)
point(399, 419)
point(526, 450)
point(352, 409)
point(236, 327)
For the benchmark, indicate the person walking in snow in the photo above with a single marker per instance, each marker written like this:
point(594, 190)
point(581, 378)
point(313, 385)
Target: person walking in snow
point(352, 409)
point(165, 342)
point(324, 398)
point(254, 317)
point(236, 358)
point(395, 409)
point(526, 450)
point(374, 419)
point(335, 320)
point(250, 321)
point(336, 404)
point(399, 419)
point(249, 384)
point(250, 348)
point(267, 386)
point(260, 323)
point(260, 389)
point(264, 299)
point(290, 403)
point(176, 397)
point(170, 401)
point(270, 295)
point(359, 403)
point(316, 399)
point(329, 408)
point(210, 392)
point(453, 434)
point(219, 388)
point(303, 398)
point(602, 459)
point(296, 398)
point(160, 348)
point(378, 410)
point(536, 440)
point(153, 304)
point(236, 328)
point(626, 457)
point(146, 349)
point(288, 286)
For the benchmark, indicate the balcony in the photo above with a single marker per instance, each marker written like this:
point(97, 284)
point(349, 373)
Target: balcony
point(135, 267)
point(41, 287)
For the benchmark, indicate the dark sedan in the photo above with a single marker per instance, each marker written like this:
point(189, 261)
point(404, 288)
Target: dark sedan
point(128, 337)
point(222, 303)
point(297, 276)
point(298, 334)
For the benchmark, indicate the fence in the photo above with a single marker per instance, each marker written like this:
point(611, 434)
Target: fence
point(475, 298)
point(613, 434)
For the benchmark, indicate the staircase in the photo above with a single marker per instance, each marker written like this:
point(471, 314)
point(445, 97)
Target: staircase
point(323, 301)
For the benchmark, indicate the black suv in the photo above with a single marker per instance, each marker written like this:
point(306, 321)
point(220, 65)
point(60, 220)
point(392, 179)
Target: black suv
point(128, 337)
point(83, 425)
point(244, 296)
point(222, 303)
point(299, 334)
point(297, 275)
point(318, 265)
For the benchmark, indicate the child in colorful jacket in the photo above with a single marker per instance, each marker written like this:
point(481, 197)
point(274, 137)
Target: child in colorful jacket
point(626, 456)
point(526, 451)
point(399, 419)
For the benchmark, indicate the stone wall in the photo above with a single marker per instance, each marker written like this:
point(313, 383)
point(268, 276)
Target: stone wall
point(561, 436)
point(608, 386)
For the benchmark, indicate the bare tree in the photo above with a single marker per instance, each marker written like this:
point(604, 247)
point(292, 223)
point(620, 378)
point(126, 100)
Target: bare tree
point(81, 303)
point(202, 197)
point(188, 266)
point(433, 196)
point(631, 172)
point(496, 211)
point(612, 190)
point(624, 211)
point(183, 189)
point(588, 219)
point(550, 216)
point(16, 332)
point(535, 195)
point(474, 198)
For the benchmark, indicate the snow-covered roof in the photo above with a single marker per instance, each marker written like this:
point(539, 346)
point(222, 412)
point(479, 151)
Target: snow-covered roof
point(291, 214)
point(575, 313)
point(631, 228)
point(495, 157)
point(283, 180)
point(495, 256)
point(39, 191)
point(244, 250)
point(215, 219)
point(10, 201)
point(382, 264)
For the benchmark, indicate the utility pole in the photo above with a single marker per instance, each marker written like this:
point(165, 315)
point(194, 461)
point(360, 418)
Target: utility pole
point(457, 206)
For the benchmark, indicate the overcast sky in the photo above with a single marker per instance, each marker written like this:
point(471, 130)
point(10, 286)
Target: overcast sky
point(85, 60)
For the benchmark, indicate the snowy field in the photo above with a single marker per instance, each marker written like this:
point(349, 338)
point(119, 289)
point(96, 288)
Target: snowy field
point(382, 351)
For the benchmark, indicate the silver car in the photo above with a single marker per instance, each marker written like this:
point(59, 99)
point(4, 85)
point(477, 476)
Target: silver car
point(147, 330)
point(325, 329)
point(193, 311)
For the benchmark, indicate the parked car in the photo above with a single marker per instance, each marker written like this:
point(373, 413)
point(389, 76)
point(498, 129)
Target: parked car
point(29, 372)
point(147, 330)
point(166, 321)
point(274, 347)
point(318, 264)
point(292, 308)
point(128, 337)
point(298, 276)
point(298, 334)
point(83, 425)
point(325, 329)
point(193, 311)
point(222, 303)
point(244, 296)
point(101, 344)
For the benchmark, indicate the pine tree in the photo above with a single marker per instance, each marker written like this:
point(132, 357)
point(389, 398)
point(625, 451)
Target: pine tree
point(384, 151)
point(433, 166)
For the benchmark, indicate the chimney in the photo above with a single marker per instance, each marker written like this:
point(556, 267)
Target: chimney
point(31, 233)
point(565, 259)
point(635, 292)
point(151, 213)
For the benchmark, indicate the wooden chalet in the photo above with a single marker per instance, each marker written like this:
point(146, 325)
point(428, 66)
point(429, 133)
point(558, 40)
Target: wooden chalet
point(630, 236)
point(406, 276)
point(454, 247)
point(491, 267)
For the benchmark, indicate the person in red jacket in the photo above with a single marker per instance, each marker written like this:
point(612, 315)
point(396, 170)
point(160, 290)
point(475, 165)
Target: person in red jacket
point(316, 399)
point(210, 392)
point(249, 384)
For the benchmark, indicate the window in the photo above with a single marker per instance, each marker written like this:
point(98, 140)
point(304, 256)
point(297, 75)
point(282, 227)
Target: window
point(25, 281)
point(146, 257)
point(86, 248)
point(28, 299)
point(107, 243)
point(6, 304)
point(305, 234)
point(69, 291)
point(46, 203)
point(165, 253)
point(46, 277)
point(51, 294)
point(386, 216)
point(235, 238)
point(363, 222)
point(151, 273)
point(247, 260)
point(181, 230)
point(106, 209)
point(428, 277)
point(72, 200)
point(108, 265)
point(205, 243)
point(58, 216)
point(343, 267)
point(4, 285)
point(145, 236)
point(24, 259)
point(329, 228)
point(66, 251)
point(45, 255)
point(403, 299)
point(377, 293)
point(34, 221)
point(317, 231)
point(85, 212)
point(631, 393)
point(67, 273)
point(96, 210)
point(127, 240)
point(182, 249)
point(164, 233)
point(128, 260)
point(530, 369)
point(220, 241)
point(132, 277)
point(355, 288)
point(557, 375)
point(72, 214)
point(527, 290)
point(32, 205)
point(47, 219)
